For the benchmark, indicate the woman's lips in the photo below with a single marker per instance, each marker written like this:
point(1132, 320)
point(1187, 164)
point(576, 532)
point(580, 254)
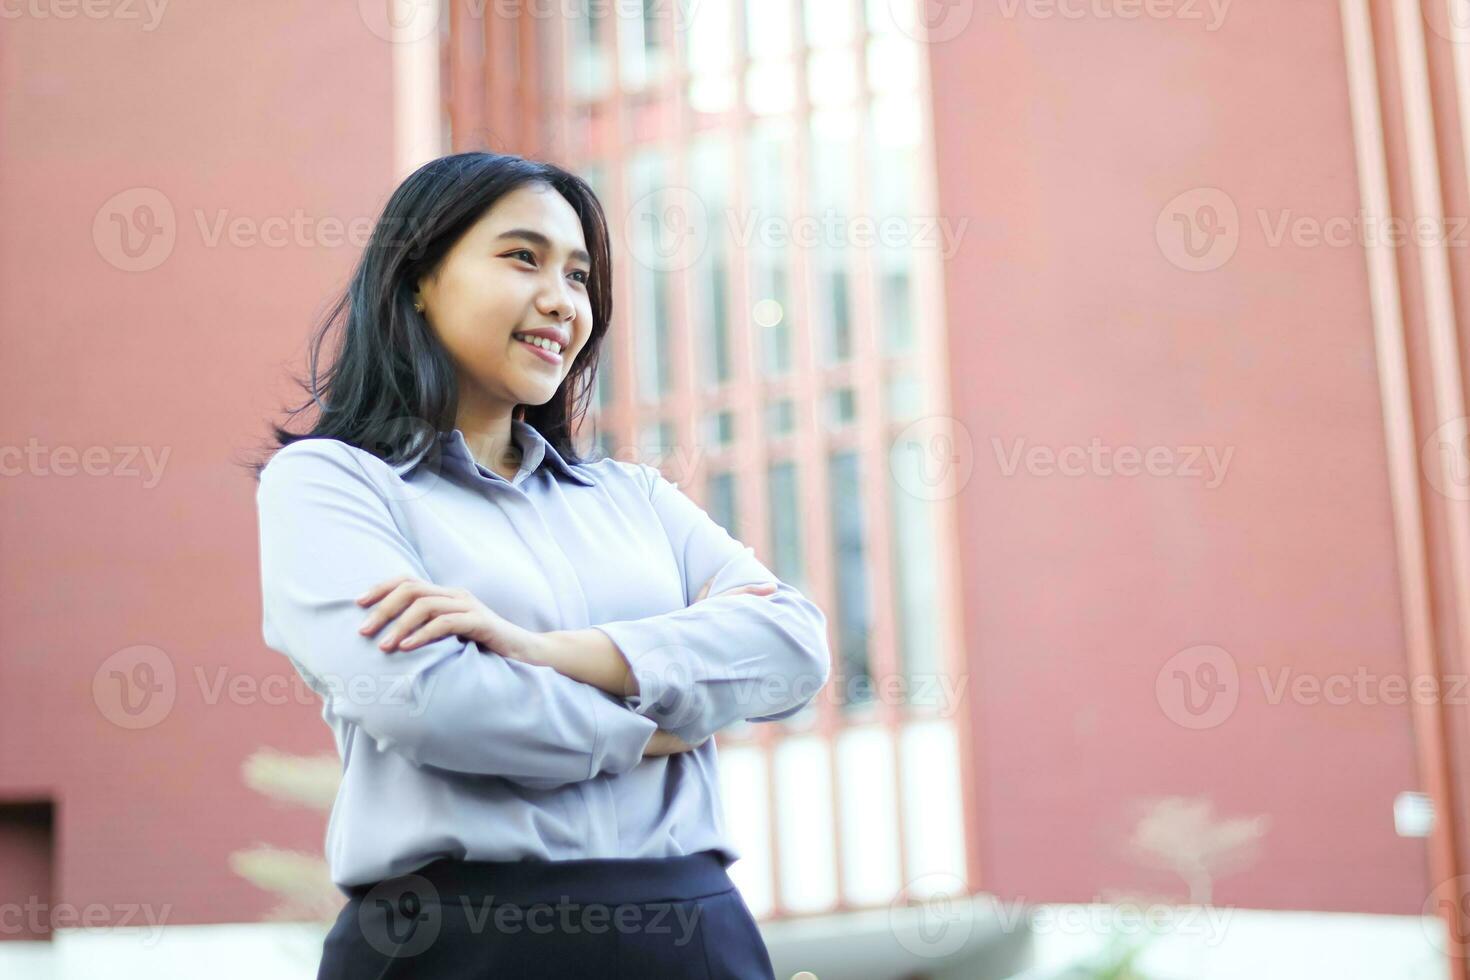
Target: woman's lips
point(541, 352)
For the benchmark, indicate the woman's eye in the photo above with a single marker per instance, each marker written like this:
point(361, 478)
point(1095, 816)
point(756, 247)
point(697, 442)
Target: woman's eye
point(583, 274)
point(530, 257)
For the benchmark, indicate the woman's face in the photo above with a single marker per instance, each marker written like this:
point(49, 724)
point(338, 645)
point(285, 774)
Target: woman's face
point(523, 266)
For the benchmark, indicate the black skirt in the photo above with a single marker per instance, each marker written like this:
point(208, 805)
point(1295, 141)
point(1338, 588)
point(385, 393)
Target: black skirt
point(632, 918)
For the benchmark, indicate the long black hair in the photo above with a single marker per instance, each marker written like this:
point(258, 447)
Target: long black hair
point(391, 386)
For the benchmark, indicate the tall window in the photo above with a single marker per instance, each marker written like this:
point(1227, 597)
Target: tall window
point(649, 218)
point(850, 571)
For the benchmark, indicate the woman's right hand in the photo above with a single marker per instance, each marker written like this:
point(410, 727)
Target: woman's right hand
point(666, 743)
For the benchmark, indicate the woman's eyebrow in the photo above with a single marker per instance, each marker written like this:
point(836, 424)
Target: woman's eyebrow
point(542, 241)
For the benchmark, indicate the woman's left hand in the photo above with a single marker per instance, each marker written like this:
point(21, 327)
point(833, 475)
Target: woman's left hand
point(422, 612)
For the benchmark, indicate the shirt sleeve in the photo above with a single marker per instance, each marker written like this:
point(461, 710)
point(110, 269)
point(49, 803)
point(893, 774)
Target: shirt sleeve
point(326, 536)
point(725, 658)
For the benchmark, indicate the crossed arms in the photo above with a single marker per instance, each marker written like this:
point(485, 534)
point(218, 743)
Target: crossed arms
point(596, 700)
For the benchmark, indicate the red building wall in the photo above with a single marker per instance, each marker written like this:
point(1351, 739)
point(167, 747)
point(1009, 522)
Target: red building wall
point(1075, 314)
point(270, 118)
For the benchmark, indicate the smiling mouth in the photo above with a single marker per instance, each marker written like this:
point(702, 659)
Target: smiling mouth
point(547, 350)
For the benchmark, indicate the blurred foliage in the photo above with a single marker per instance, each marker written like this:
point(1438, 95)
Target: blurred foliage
point(302, 881)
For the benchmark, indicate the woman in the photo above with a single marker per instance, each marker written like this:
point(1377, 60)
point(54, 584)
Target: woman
point(522, 655)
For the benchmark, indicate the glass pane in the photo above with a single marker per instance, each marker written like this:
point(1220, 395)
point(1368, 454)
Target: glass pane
point(768, 28)
point(896, 302)
point(828, 23)
point(785, 510)
point(915, 577)
point(831, 77)
point(770, 88)
point(607, 444)
point(711, 47)
point(841, 407)
point(604, 389)
point(880, 17)
point(834, 149)
point(721, 504)
point(892, 146)
point(893, 64)
point(849, 569)
point(711, 94)
point(588, 76)
point(650, 286)
point(769, 155)
point(655, 442)
point(903, 398)
point(643, 45)
point(834, 335)
point(719, 429)
point(780, 417)
point(773, 326)
point(709, 172)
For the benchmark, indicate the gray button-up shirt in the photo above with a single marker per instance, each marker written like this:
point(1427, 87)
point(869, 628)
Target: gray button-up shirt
point(451, 750)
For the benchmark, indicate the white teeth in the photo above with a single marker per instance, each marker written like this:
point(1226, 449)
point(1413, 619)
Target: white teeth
point(541, 342)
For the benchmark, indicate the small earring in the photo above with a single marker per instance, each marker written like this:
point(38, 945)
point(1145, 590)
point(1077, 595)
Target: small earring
point(418, 305)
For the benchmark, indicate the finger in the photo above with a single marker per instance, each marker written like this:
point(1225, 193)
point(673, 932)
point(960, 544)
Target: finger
point(381, 589)
point(435, 628)
point(395, 601)
point(423, 611)
point(704, 589)
point(417, 614)
point(758, 587)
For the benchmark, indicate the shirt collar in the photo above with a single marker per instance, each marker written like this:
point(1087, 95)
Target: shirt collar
point(535, 452)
